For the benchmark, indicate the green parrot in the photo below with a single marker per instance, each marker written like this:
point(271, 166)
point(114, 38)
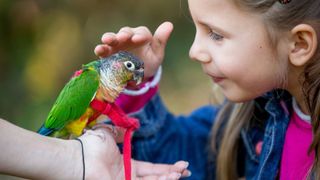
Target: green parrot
point(103, 80)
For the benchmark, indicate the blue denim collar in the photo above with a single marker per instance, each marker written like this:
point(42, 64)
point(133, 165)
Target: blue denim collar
point(266, 165)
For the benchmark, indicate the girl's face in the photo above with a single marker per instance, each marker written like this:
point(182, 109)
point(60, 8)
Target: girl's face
point(234, 49)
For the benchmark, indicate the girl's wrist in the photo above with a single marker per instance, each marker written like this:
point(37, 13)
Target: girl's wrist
point(145, 87)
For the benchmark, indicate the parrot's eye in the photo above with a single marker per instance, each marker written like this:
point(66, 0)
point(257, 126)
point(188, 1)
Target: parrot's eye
point(129, 65)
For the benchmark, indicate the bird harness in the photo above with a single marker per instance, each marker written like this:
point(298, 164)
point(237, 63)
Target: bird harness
point(119, 118)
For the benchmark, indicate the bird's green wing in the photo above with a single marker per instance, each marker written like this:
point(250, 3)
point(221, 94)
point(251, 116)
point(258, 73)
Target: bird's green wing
point(73, 100)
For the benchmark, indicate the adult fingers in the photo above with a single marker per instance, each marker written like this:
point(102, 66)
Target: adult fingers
point(171, 176)
point(150, 169)
point(117, 132)
point(103, 134)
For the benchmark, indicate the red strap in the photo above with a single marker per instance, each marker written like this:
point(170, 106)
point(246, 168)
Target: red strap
point(119, 118)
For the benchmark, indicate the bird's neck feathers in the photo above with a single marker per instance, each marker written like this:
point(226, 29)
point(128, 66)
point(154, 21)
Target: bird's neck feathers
point(110, 87)
point(94, 65)
point(111, 83)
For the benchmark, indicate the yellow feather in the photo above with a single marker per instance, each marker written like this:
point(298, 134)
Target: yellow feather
point(76, 127)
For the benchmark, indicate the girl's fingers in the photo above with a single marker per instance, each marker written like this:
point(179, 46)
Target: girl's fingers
point(186, 173)
point(173, 176)
point(181, 167)
point(161, 36)
point(102, 50)
point(124, 34)
point(109, 38)
point(98, 50)
point(136, 39)
point(141, 35)
point(127, 36)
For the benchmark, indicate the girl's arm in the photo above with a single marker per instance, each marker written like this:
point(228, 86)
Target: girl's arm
point(166, 138)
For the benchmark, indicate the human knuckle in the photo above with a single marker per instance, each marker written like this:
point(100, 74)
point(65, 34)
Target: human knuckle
point(108, 34)
point(125, 29)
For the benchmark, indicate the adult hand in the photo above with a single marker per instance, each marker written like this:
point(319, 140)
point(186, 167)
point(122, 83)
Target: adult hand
point(139, 41)
point(103, 160)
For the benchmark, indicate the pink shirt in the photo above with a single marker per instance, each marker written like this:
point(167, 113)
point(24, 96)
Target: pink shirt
point(295, 161)
point(132, 104)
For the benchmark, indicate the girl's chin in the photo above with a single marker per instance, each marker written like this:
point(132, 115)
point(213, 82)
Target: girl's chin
point(237, 98)
point(234, 93)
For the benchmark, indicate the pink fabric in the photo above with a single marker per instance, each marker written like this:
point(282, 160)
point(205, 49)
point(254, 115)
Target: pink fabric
point(119, 118)
point(131, 104)
point(295, 161)
point(259, 147)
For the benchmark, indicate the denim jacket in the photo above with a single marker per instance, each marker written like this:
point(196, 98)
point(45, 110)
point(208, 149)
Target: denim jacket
point(165, 138)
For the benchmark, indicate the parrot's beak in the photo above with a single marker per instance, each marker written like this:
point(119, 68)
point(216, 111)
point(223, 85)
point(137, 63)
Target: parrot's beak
point(138, 76)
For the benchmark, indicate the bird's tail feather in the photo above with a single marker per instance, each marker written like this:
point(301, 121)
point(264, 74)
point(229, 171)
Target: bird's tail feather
point(45, 131)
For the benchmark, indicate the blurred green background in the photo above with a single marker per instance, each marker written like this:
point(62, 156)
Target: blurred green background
point(43, 42)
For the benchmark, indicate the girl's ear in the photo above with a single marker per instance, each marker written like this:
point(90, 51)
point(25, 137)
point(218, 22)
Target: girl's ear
point(303, 45)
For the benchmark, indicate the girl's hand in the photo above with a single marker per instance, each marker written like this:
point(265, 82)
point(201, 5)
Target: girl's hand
point(103, 160)
point(139, 41)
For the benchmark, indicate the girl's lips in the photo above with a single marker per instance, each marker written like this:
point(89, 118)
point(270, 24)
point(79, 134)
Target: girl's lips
point(217, 79)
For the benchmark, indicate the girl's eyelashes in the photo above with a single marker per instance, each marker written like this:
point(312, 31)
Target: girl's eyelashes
point(215, 36)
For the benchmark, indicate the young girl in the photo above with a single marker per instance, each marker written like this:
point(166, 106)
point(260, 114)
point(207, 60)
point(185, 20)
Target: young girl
point(264, 56)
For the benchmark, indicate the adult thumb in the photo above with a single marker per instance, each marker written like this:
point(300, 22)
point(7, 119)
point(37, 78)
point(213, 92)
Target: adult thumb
point(161, 36)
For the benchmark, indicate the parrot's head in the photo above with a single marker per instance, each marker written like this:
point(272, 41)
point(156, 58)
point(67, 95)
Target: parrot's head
point(119, 69)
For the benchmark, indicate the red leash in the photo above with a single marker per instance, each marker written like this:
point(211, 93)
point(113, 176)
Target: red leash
point(119, 118)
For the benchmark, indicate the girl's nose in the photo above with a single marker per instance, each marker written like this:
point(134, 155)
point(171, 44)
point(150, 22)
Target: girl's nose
point(198, 52)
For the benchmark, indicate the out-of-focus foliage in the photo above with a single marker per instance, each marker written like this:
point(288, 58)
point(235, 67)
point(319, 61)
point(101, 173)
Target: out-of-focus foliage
point(42, 42)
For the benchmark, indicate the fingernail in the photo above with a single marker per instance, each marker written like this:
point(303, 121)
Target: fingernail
point(186, 164)
point(189, 173)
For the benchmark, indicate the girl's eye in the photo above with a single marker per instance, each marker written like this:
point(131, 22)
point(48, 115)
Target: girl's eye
point(215, 36)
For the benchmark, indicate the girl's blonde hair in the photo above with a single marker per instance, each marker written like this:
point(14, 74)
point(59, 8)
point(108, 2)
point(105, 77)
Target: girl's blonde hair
point(279, 18)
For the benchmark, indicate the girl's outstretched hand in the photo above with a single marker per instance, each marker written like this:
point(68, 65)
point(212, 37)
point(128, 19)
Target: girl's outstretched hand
point(139, 41)
point(103, 160)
